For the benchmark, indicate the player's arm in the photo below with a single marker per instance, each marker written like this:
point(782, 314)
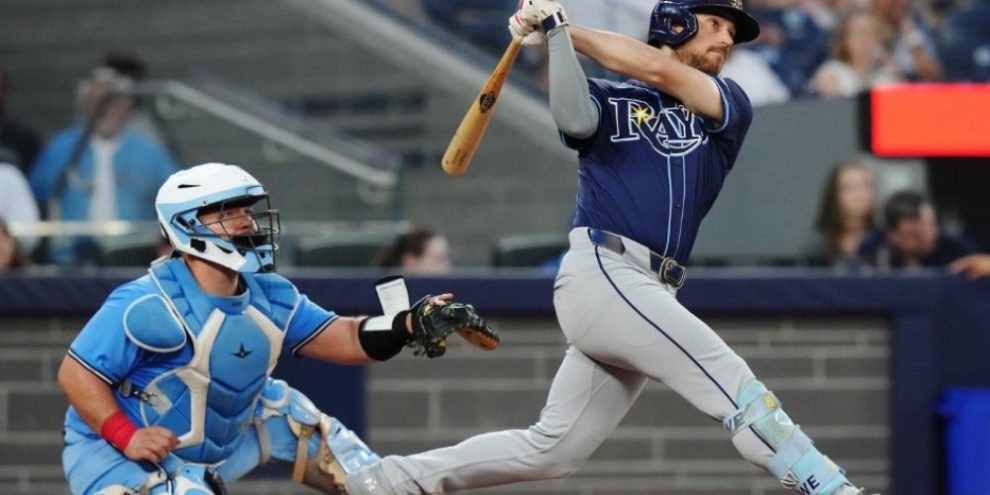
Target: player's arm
point(423, 326)
point(340, 341)
point(656, 66)
point(570, 100)
point(93, 399)
point(973, 266)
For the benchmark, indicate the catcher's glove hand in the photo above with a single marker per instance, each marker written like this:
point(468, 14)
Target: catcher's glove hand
point(434, 318)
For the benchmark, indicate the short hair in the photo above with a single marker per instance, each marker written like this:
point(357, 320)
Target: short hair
point(413, 241)
point(904, 205)
point(126, 64)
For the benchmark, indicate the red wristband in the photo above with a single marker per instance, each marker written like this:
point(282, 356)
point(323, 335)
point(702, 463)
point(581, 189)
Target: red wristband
point(118, 430)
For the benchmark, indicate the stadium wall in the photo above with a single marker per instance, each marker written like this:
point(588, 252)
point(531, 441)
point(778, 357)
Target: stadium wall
point(859, 361)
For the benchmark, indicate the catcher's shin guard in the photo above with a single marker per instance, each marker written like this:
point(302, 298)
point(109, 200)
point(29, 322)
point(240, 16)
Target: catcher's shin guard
point(326, 451)
point(322, 470)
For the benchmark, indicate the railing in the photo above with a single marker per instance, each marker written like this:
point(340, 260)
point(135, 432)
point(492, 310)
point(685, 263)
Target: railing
point(423, 53)
point(119, 228)
point(374, 167)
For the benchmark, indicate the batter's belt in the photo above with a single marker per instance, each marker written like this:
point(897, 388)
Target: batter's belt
point(667, 269)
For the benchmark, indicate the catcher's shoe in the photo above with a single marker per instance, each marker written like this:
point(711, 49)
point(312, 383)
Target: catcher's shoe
point(369, 481)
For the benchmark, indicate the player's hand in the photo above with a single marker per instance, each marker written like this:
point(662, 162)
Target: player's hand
point(152, 443)
point(525, 33)
point(434, 318)
point(973, 266)
point(536, 11)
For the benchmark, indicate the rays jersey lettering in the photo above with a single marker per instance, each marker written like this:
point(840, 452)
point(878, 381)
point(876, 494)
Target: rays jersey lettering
point(652, 169)
point(670, 131)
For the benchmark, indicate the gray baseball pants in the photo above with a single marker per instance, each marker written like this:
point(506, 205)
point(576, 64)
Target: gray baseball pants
point(624, 327)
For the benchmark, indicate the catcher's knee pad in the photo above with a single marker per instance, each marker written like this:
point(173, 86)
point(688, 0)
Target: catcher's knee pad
point(797, 463)
point(326, 451)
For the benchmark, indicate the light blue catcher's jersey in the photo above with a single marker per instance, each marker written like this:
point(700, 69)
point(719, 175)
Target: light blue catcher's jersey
point(192, 362)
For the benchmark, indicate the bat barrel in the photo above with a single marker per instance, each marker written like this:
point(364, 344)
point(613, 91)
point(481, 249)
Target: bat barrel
point(463, 145)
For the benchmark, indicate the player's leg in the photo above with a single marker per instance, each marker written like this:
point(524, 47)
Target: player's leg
point(93, 467)
point(288, 427)
point(653, 334)
point(585, 402)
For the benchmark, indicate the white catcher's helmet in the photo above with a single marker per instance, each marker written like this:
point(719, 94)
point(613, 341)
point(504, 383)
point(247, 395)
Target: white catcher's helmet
point(216, 186)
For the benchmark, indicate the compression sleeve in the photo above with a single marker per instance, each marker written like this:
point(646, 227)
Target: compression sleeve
point(570, 101)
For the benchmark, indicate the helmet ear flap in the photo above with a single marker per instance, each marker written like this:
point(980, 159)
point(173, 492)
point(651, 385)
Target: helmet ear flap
point(664, 21)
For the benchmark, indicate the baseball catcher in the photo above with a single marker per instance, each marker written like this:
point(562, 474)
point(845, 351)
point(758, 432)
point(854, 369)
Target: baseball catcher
point(170, 381)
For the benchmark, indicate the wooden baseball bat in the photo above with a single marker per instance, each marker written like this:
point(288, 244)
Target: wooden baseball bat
point(465, 142)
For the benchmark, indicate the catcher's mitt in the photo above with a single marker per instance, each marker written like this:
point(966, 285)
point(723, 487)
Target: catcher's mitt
point(433, 320)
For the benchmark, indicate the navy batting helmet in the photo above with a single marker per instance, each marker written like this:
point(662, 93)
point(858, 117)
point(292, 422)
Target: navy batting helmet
point(670, 13)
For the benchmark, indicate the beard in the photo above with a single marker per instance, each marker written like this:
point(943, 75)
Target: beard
point(699, 61)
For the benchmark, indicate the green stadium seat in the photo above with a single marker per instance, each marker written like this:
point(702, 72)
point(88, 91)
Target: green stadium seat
point(129, 250)
point(344, 250)
point(531, 250)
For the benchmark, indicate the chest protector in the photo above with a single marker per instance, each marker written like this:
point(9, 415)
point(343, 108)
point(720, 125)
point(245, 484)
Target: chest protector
point(234, 344)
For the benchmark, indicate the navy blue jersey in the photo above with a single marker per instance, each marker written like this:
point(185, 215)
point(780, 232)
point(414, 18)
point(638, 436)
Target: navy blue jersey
point(652, 169)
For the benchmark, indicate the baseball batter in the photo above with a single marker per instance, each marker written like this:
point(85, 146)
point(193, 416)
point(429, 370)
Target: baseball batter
point(653, 154)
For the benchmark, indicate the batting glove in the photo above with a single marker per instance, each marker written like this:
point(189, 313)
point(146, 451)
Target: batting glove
point(548, 14)
point(524, 32)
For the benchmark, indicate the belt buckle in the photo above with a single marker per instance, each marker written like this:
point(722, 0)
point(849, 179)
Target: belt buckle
point(672, 272)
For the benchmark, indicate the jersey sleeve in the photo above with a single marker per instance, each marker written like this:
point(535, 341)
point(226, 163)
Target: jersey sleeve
point(597, 92)
point(737, 116)
point(737, 110)
point(308, 321)
point(102, 346)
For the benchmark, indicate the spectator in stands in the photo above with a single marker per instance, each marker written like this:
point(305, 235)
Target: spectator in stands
point(913, 40)
point(757, 78)
point(419, 251)
point(99, 169)
point(973, 266)
point(790, 41)
point(19, 138)
point(859, 57)
point(143, 118)
point(10, 253)
point(845, 214)
point(912, 237)
point(17, 203)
